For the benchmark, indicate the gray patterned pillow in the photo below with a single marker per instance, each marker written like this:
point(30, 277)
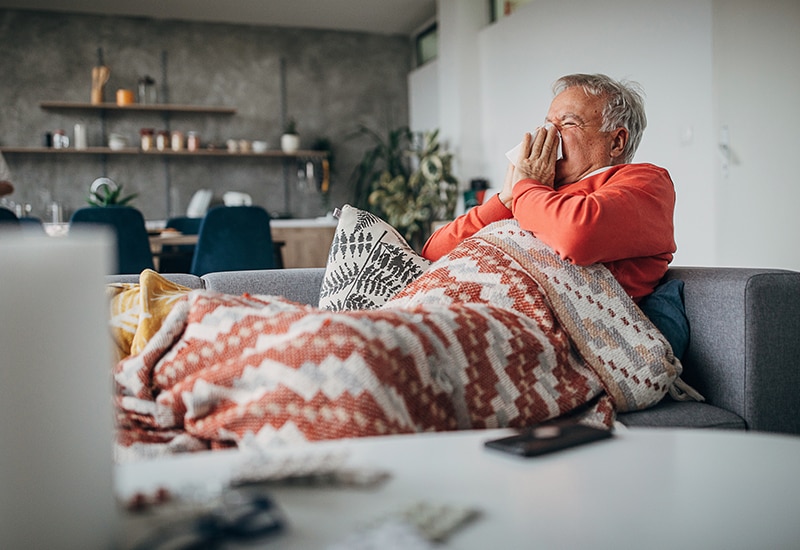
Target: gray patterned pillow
point(368, 263)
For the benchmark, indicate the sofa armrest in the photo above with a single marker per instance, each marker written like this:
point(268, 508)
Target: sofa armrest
point(744, 350)
point(297, 284)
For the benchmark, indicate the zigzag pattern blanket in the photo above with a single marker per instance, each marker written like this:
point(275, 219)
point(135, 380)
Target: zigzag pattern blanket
point(501, 332)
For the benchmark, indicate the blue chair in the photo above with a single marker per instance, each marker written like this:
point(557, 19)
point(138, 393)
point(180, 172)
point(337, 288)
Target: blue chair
point(8, 217)
point(178, 258)
point(133, 244)
point(234, 238)
point(32, 223)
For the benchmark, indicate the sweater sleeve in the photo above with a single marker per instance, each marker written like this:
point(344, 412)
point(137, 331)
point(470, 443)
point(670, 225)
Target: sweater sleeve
point(625, 212)
point(447, 237)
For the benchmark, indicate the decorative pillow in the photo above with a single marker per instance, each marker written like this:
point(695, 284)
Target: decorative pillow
point(368, 263)
point(665, 308)
point(139, 309)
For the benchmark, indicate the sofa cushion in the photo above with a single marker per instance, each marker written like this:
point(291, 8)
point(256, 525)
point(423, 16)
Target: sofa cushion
point(683, 414)
point(368, 264)
point(665, 308)
point(137, 310)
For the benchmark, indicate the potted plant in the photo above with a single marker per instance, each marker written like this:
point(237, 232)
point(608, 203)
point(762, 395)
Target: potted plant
point(106, 192)
point(290, 140)
point(409, 184)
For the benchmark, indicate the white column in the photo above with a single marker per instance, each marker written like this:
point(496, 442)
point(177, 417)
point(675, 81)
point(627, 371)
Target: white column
point(460, 21)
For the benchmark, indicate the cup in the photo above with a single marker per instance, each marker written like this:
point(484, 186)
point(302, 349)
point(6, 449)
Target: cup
point(125, 97)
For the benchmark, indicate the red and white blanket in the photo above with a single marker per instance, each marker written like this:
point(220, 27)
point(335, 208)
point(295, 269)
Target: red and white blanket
point(501, 332)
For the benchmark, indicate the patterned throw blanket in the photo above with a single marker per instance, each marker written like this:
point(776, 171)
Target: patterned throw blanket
point(501, 332)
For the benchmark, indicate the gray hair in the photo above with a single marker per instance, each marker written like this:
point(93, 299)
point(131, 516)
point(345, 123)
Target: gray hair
point(624, 106)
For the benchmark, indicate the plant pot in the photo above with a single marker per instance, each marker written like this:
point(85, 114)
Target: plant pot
point(290, 143)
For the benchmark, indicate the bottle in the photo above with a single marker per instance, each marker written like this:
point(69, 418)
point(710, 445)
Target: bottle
point(80, 136)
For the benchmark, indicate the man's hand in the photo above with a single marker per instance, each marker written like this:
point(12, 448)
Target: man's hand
point(537, 161)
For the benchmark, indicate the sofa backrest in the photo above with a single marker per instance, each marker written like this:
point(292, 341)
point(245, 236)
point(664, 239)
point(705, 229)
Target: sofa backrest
point(297, 284)
point(300, 285)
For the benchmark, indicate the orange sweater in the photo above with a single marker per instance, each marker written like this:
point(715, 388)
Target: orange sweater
point(621, 217)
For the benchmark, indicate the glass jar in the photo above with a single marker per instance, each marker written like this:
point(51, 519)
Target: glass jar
point(177, 141)
point(147, 138)
point(192, 141)
point(162, 140)
point(147, 91)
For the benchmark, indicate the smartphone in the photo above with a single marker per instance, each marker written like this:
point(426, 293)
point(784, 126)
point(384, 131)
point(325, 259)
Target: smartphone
point(548, 438)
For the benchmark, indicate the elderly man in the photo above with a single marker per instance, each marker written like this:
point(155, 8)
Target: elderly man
point(593, 205)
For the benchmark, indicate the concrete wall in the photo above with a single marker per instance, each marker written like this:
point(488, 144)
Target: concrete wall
point(334, 81)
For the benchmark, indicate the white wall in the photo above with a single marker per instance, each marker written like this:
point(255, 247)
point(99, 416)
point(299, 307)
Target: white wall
point(757, 78)
point(460, 100)
point(423, 97)
point(665, 46)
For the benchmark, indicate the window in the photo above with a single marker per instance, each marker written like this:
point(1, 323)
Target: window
point(427, 44)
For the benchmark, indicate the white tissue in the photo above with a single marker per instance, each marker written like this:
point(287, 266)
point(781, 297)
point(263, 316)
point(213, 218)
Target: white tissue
point(513, 154)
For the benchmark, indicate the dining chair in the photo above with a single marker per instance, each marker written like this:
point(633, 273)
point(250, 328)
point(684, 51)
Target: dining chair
point(8, 217)
point(32, 223)
point(133, 244)
point(234, 238)
point(178, 258)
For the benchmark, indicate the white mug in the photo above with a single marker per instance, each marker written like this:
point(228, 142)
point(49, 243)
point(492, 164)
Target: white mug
point(60, 140)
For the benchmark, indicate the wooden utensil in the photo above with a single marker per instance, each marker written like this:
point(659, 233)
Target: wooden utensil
point(100, 75)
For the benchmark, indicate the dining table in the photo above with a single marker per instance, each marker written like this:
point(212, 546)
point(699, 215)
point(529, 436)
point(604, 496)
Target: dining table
point(303, 242)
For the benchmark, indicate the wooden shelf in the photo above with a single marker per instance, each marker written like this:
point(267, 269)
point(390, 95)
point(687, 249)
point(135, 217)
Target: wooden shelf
point(136, 107)
point(156, 153)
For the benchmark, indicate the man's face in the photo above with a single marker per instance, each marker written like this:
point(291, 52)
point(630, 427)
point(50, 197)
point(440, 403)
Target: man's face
point(579, 116)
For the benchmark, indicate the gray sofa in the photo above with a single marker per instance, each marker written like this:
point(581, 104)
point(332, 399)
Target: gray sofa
point(743, 356)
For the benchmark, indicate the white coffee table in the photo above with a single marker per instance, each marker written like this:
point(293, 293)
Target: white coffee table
point(644, 488)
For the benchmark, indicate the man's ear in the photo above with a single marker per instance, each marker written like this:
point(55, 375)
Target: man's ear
point(619, 138)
